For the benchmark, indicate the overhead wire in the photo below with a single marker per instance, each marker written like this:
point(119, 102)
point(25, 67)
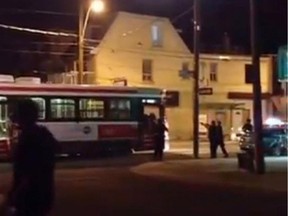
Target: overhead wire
point(15, 10)
point(37, 31)
point(182, 14)
point(39, 52)
point(66, 34)
point(45, 32)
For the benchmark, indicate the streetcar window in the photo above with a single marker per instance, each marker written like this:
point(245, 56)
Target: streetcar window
point(3, 117)
point(41, 106)
point(91, 108)
point(62, 108)
point(119, 109)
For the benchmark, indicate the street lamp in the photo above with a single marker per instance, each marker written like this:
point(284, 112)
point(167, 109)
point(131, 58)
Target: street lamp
point(97, 6)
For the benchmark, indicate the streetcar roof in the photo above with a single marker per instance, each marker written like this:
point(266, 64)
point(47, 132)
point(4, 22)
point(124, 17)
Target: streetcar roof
point(75, 90)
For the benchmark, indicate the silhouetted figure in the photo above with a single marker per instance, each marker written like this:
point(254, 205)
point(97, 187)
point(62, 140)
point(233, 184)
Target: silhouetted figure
point(211, 128)
point(247, 127)
point(212, 139)
point(32, 191)
point(160, 139)
point(152, 123)
point(220, 139)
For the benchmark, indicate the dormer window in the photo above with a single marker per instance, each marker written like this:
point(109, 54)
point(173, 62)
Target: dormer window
point(157, 34)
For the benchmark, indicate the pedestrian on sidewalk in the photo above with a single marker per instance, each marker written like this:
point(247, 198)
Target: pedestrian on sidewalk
point(32, 190)
point(160, 139)
point(247, 127)
point(211, 128)
point(220, 139)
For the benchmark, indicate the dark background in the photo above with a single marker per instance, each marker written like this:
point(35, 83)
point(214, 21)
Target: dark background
point(218, 17)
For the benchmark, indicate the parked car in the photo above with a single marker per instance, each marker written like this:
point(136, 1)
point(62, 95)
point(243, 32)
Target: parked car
point(274, 140)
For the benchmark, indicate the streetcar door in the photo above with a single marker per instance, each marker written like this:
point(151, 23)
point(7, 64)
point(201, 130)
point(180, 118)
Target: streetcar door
point(151, 112)
point(4, 136)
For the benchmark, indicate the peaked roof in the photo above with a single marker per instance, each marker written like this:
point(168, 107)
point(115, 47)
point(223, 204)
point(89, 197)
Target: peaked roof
point(110, 21)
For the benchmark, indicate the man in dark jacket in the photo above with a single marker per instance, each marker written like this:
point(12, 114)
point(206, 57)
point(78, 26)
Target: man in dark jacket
point(211, 128)
point(212, 139)
point(247, 127)
point(220, 139)
point(32, 191)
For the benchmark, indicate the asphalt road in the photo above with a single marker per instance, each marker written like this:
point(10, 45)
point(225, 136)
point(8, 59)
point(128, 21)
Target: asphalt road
point(108, 187)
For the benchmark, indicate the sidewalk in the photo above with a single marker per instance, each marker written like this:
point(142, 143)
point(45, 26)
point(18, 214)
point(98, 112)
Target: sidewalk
point(219, 172)
point(175, 144)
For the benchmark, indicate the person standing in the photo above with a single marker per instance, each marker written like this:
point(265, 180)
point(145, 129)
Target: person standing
point(160, 139)
point(248, 127)
point(220, 139)
point(32, 190)
point(211, 128)
point(212, 139)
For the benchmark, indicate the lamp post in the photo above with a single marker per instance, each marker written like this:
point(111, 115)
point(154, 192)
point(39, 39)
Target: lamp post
point(257, 106)
point(96, 6)
point(196, 21)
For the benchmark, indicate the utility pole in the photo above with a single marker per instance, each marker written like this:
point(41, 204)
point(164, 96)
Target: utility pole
point(196, 21)
point(80, 43)
point(257, 106)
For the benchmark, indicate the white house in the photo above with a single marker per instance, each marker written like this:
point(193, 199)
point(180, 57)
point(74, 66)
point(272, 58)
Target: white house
point(148, 51)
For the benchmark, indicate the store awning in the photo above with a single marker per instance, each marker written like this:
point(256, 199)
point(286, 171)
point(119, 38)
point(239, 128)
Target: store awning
point(221, 105)
point(246, 96)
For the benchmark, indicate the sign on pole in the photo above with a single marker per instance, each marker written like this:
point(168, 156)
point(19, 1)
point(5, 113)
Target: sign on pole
point(205, 91)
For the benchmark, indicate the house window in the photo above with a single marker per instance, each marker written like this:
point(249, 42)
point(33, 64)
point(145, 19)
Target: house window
point(213, 72)
point(185, 66)
point(156, 34)
point(147, 70)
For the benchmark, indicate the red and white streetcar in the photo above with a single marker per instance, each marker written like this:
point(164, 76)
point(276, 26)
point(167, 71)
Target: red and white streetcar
point(86, 120)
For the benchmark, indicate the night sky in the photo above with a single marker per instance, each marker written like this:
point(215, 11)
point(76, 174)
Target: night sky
point(218, 17)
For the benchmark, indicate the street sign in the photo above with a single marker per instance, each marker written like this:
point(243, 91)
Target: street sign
point(205, 91)
point(282, 64)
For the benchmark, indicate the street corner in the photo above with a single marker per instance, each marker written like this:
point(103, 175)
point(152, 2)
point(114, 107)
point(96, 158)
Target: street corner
point(186, 171)
point(220, 172)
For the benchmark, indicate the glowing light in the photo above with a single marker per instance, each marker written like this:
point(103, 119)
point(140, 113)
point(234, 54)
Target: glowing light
point(273, 121)
point(149, 101)
point(233, 136)
point(227, 58)
point(97, 6)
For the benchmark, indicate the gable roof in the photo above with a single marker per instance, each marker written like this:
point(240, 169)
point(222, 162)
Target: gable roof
point(138, 25)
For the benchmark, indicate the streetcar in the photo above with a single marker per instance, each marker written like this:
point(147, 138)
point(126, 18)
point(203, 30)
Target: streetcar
point(86, 120)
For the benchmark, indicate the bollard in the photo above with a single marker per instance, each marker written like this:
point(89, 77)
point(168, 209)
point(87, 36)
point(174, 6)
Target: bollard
point(246, 161)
